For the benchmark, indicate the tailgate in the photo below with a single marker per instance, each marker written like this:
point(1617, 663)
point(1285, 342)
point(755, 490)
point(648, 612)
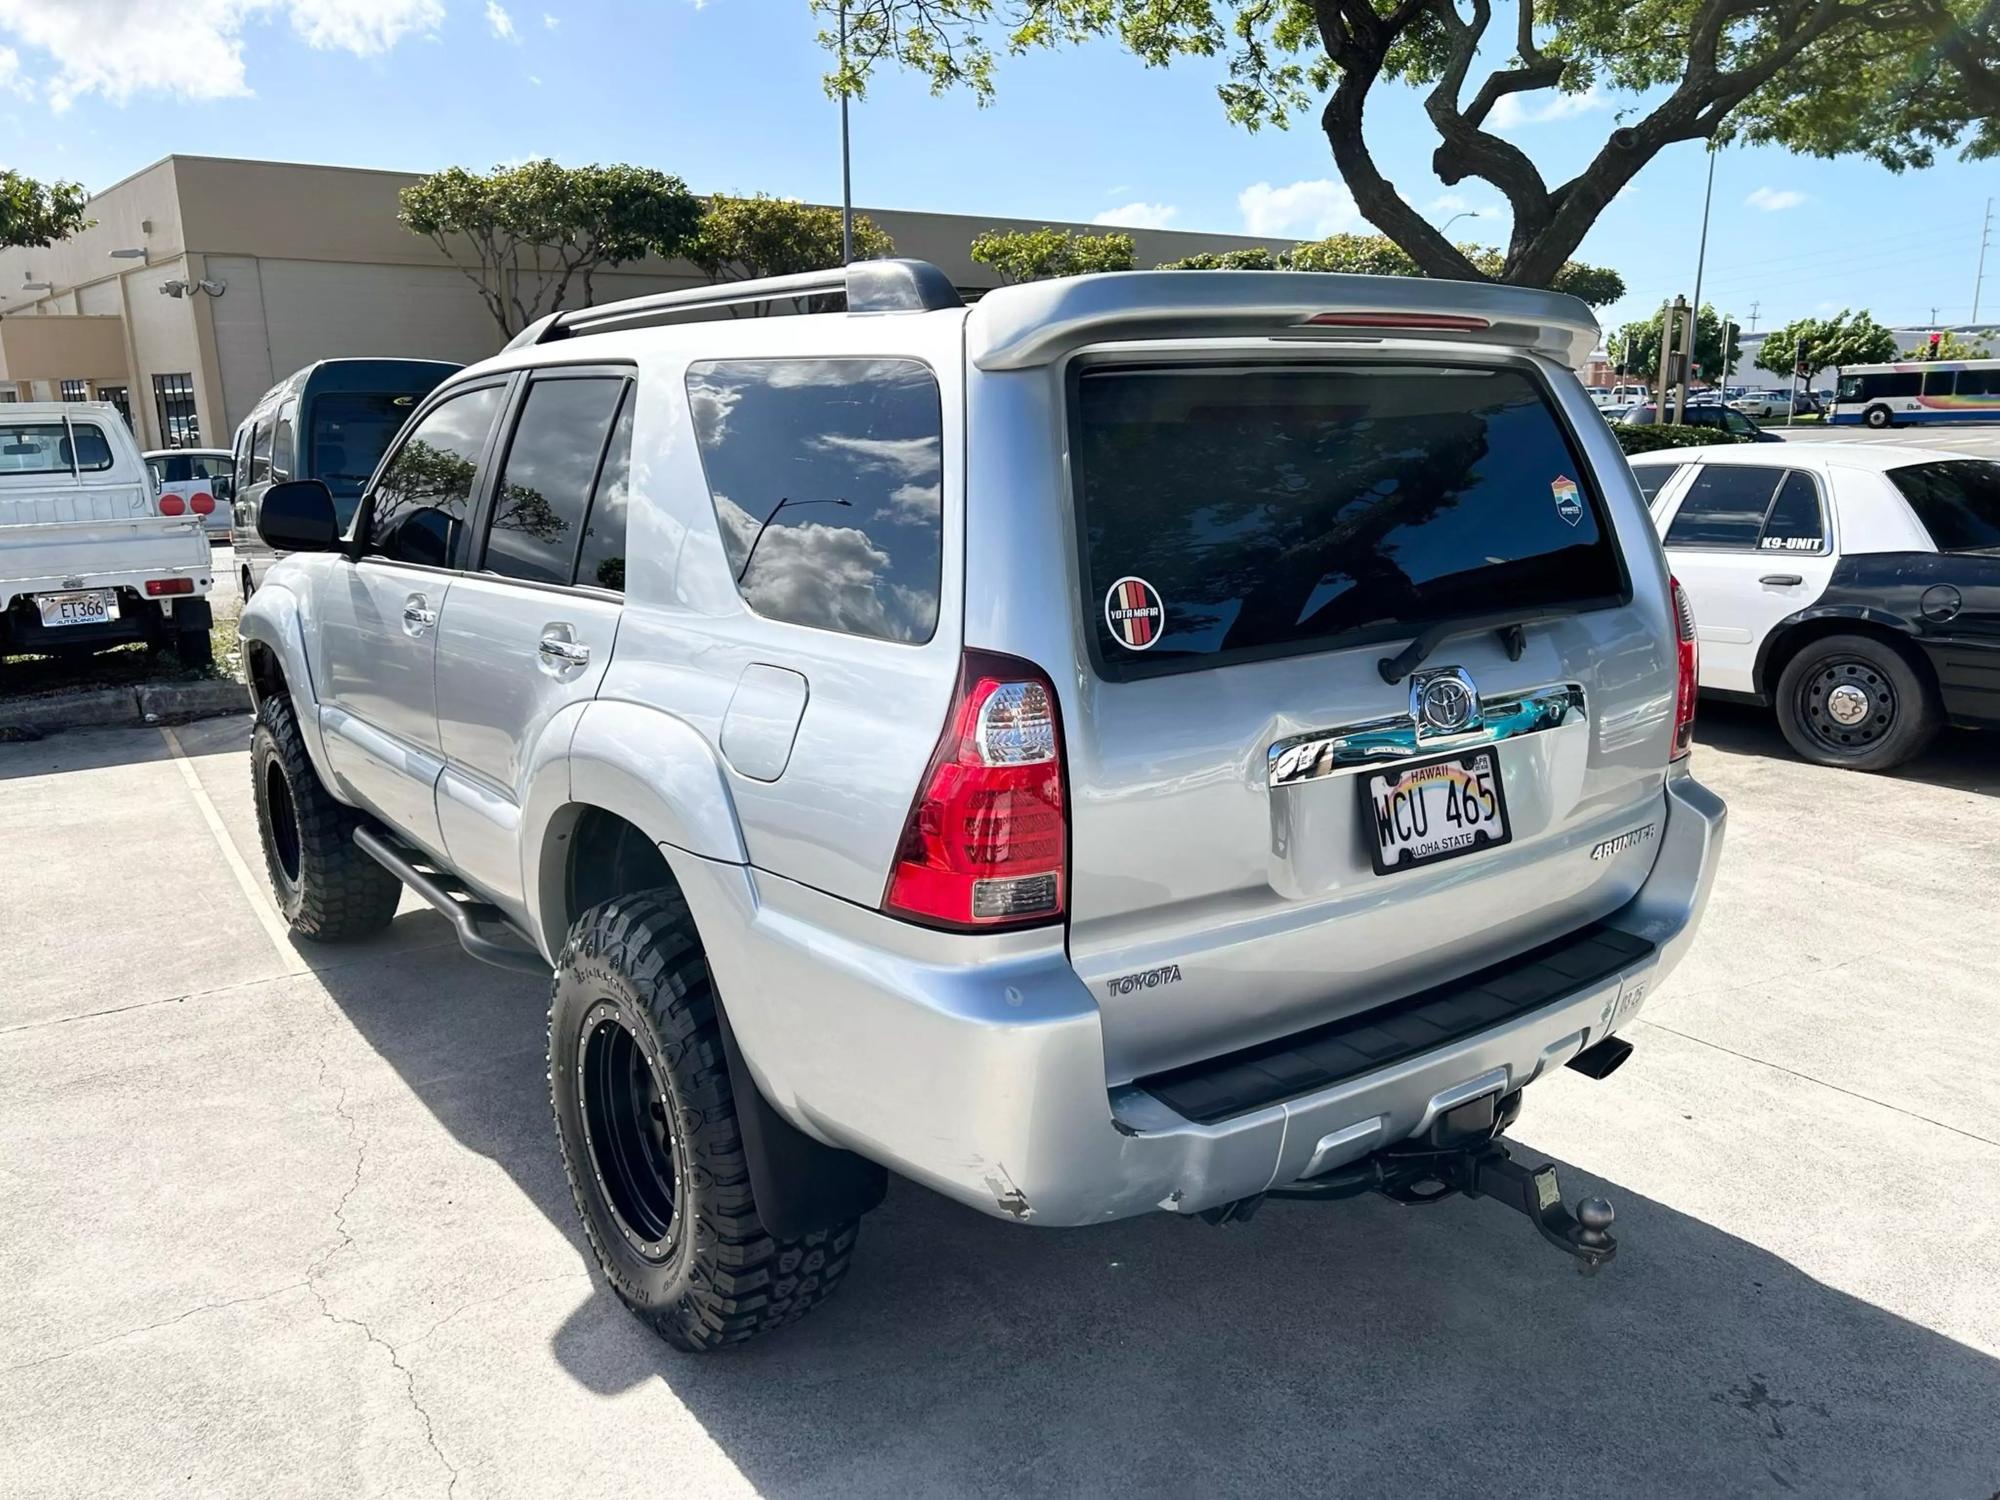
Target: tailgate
point(1255, 541)
point(42, 555)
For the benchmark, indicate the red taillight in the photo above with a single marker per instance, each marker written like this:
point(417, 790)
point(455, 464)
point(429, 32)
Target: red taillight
point(1441, 322)
point(158, 586)
point(987, 840)
point(171, 505)
point(202, 503)
point(1687, 663)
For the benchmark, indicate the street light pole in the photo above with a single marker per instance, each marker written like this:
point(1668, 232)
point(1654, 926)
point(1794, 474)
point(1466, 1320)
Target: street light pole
point(1985, 239)
point(1470, 213)
point(1701, 258)
point(846, 171)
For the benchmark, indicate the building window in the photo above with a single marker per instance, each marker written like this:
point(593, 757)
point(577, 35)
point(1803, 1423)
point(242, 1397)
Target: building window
point(119, 396)
point(76, 390)
point(173, 395)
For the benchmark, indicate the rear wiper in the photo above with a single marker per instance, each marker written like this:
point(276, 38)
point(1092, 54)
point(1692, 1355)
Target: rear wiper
point(1509, 624)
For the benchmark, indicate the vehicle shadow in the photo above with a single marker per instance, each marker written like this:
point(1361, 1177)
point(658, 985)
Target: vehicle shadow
point(1347, 1348)
point(118, 745)
point(1963, 759)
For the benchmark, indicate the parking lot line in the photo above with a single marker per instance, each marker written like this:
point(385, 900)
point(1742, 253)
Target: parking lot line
point(253, 889)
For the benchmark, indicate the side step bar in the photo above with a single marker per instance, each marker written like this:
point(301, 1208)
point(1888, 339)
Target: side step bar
point(483, 930)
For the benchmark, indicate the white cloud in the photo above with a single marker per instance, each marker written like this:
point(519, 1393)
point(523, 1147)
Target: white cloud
point(1449, 203)
point(1139, 215)
point(499, 22)
point(1509, 111)
point(912, 503)
point(1118, 191)
point(192, 49)
point(910, 458)
point(1775, 200)
point(537, 82)
point(1311, 209)
point(551, 22)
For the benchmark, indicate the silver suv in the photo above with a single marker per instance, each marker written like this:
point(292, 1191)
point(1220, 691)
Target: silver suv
point(1143, 742)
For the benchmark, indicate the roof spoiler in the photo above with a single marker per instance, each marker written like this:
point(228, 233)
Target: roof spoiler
point(1022, 326)
point(866, 286)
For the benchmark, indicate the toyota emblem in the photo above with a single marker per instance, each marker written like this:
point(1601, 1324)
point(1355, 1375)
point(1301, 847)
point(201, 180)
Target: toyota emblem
point(1444, 702)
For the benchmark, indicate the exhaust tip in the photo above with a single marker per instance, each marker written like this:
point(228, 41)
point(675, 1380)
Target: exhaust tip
point(1602, 1060)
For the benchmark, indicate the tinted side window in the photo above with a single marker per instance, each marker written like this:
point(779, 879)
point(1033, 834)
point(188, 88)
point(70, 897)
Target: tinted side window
point(1939, 382)
point(1796, 523)
point(601, 563)
point(282, 441)
point(1901, 383)
point(827, 475)
point(1957, 500)
point(419, 508)
point(1979, 382)
point(260, 452)
point(1724, 507)
point(545, 484)
point(1653, 478)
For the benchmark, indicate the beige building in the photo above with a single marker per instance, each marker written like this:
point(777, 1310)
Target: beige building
point(205, 280)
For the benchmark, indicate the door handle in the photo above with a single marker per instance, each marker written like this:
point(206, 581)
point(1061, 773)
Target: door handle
point(1781, 580)
point(564, 653)
point(418, 616)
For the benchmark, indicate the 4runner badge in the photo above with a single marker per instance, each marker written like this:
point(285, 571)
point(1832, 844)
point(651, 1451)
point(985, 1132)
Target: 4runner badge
point(1568, 506)
point(1134, 614)
point(1624, 841)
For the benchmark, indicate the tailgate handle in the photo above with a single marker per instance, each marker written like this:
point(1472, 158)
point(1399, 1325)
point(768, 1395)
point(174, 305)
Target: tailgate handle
point(1781, 580)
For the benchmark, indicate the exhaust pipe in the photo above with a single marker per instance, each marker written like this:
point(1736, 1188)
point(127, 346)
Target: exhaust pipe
point(1601, 1061)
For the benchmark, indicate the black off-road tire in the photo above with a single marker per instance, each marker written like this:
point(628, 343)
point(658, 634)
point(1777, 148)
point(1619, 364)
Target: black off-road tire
point(1903, 712)
point(195, 648)
point(667, 1206)
point(326, 888)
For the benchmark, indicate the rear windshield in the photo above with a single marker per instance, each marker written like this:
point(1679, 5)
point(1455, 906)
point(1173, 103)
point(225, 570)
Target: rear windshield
point(1233, 514)
point(350, 433)
point(50, 448)
point(1957, 499)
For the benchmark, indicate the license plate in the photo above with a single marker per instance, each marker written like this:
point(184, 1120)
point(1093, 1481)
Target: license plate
point(87, 607)
point(1438, 809)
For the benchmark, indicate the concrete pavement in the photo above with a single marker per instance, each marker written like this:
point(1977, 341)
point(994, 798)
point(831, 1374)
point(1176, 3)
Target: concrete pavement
point(1972, 439)
point(280, 1219)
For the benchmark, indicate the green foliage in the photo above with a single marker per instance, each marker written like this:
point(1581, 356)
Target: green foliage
point(523, 234)
point(1378, 255)
point(1651, 438)
point(1949, 346)
point(1037, 254)
point(1850, 338)
point(764, 236)
point(38, 213)
point(1644, 337)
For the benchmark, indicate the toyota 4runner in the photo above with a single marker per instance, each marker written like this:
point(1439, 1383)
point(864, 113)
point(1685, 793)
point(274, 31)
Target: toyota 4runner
point(1143, 742)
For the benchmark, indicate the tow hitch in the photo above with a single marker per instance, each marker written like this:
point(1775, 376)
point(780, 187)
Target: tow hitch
point(1463, 1153)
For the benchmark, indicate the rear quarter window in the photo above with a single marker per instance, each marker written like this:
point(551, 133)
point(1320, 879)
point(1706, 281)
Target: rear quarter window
point(1277, 511)
point(1956, 500)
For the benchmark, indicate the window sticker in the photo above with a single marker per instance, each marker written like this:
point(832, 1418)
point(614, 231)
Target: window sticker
point(1133, 611)
point(1568, 505)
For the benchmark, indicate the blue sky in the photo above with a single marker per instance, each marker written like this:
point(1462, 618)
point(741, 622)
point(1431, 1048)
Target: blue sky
point(726, 93)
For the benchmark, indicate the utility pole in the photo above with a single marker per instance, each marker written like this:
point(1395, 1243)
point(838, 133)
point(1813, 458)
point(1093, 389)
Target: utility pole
point(1728, 331)
point(1985, 239)
point(846, 173)
point(1754, 305)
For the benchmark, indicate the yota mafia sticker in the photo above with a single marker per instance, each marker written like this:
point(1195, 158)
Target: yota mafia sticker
point(1133, 611)
point(1568, 506)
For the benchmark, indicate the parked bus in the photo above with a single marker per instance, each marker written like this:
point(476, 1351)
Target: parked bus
point(330, 421)
point(1956, 390)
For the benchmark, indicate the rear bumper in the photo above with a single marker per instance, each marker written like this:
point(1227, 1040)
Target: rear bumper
point(987, 1082)
point(1968, 675)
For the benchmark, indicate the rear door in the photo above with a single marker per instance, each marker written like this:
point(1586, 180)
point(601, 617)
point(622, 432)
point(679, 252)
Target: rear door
point(1267, 832)
point(1752, 544)
point(528, 630)
point(379, 614)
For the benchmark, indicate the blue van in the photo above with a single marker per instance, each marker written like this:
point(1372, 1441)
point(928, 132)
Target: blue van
point(331, 421)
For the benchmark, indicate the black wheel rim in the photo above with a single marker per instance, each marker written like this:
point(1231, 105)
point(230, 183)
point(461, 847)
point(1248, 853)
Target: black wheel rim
point(282, 818)
point(629, 1132)
point(1846, 704)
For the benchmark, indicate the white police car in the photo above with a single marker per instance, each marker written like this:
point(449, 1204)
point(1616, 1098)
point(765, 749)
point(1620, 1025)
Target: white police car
point(1853, 587)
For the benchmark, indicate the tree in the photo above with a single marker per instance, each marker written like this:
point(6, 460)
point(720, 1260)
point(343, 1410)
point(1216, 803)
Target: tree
point(37, 214)
point(1949, 346)
point(1850, 338)
point(523, 234)
point(1695, 69)
point(742, 238)
point(1378, 255)
point(1643, 339)
point(1037, 254)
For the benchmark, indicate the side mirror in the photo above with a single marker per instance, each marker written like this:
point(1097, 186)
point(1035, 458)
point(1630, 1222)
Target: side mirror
point(297, 516)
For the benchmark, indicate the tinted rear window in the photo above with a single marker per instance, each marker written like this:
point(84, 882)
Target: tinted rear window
point(350, 433)
point(1275, 512)
point(1958, 500)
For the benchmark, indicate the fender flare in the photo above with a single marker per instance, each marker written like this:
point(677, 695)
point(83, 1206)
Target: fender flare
point(272, 620)
point(1859, 614)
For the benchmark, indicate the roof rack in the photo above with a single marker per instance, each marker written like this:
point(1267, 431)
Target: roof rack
point(869, 286)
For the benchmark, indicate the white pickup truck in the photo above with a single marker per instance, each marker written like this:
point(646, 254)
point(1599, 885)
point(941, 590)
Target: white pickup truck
point(86, 558)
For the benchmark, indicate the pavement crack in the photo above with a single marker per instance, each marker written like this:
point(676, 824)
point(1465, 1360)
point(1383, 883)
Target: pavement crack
point(409, 1381)
point(478, 1302)
point(1765, 1062)
point(179, 1317)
